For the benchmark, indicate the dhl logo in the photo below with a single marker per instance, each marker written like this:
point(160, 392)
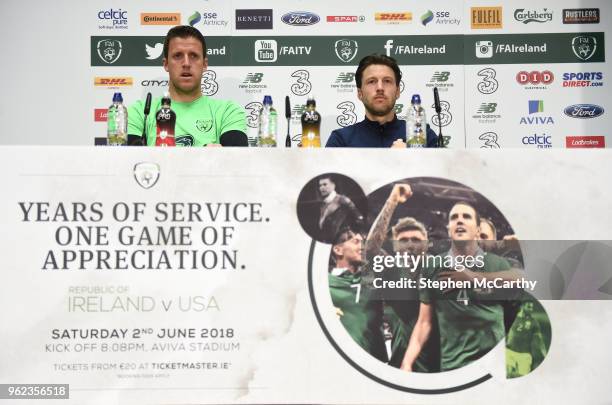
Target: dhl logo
point(113, 81)
point(394, 17)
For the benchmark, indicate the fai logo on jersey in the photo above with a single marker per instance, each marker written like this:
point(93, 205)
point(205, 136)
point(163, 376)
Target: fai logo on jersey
point(346, 49)
point(584, 47)
point(146, 174)
point(109, 50)
point(204, 125)
point(489, 140)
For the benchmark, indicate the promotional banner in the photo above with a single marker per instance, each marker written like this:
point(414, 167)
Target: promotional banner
point(161, 276)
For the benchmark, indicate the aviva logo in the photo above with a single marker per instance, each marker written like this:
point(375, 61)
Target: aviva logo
point(536, 106)
point(194, 18)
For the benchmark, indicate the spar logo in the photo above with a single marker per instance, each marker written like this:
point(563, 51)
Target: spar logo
point(535, 79)
point(583, 111)
point(583, 79)
point(113, 81)
point(585, 142)
point(345, 18)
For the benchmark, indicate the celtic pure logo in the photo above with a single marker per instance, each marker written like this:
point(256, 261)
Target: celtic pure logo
point(347, 116)
point(302, 86)
point(346, 49)
point(488, 85)
point(490, 140)
point(584, 47)
point(109, 50)
point(146, 174)
point(209, 84)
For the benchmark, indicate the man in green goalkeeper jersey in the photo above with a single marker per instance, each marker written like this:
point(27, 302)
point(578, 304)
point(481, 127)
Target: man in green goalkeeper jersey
point(356, 304)
point(525, 345)
point(469, 321)
point(408, 236)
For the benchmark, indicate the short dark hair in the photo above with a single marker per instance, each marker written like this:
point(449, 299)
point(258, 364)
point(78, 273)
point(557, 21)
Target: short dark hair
point(183, 31)
point(328, 177)
point(376, 59)
point(467, 204)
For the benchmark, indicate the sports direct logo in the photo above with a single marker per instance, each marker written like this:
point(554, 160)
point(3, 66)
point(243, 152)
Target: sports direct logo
point(585, 142)
point(113, 81)
point(100, 114)
point(583, 79)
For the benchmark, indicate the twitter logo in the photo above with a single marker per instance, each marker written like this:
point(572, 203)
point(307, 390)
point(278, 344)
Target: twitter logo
point(154, 52)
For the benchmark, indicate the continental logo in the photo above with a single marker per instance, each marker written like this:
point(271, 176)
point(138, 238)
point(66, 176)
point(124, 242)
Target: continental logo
point(393, 17)
point(160, 18)
point(113, 81)
point(486, 17)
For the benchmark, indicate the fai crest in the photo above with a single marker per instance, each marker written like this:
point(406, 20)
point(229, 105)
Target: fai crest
point(584, 47)
point(204, 125)
point(346, 49)
point(146, 174)
point(109, 50)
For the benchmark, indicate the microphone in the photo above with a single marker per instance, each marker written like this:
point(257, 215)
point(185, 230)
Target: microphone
point(438, 109)
point(234, 138)
point(147, 109)
point(288, 116)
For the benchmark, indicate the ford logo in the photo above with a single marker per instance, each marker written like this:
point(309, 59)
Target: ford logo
point(300, 18)
point(583, 111)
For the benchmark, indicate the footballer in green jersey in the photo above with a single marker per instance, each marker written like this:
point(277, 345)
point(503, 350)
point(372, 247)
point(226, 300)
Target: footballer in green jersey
point(200, 121)
point(469, 321)
point(408, 236)
point(360, 311)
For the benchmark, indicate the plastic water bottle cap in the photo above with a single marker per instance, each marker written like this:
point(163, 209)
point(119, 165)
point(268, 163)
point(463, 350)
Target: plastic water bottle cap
point(117, 98)
point(267, 100)
point(416, 99)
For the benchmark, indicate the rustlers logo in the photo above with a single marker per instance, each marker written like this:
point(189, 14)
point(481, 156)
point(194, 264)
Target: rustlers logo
point(580, 16)
point(146, 174)
point(584, 47)
point(109, 50)
point(113, 81)
point(346, 49)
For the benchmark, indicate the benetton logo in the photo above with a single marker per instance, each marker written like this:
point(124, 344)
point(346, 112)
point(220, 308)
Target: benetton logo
point(486, 17)
point(113, 81)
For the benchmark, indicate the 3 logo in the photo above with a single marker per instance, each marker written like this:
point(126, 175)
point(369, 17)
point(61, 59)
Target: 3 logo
point(488, 84)
point(347, 114)
point(209, 84)
point(302, 86)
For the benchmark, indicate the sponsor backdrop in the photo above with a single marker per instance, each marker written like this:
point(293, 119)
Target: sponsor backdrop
point(149, 288)
point(510, 73)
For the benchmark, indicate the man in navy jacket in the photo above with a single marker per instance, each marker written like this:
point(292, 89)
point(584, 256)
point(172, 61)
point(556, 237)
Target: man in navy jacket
point(377, 78)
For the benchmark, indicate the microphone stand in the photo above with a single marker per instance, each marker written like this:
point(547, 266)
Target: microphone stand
point(288, 116)
point(438, 111)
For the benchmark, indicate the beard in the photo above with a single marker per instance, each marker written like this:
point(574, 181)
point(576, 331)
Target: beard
point(380, 110)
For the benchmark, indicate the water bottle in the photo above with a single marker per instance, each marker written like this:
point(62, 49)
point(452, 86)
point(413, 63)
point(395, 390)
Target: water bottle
point(416, 124)
point(266, 136)
point(311, 125)
point(166, 119)
point(116, 122)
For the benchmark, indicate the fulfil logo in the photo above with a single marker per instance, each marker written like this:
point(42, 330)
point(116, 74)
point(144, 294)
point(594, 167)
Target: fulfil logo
point(113, 19)
point(486, 17)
